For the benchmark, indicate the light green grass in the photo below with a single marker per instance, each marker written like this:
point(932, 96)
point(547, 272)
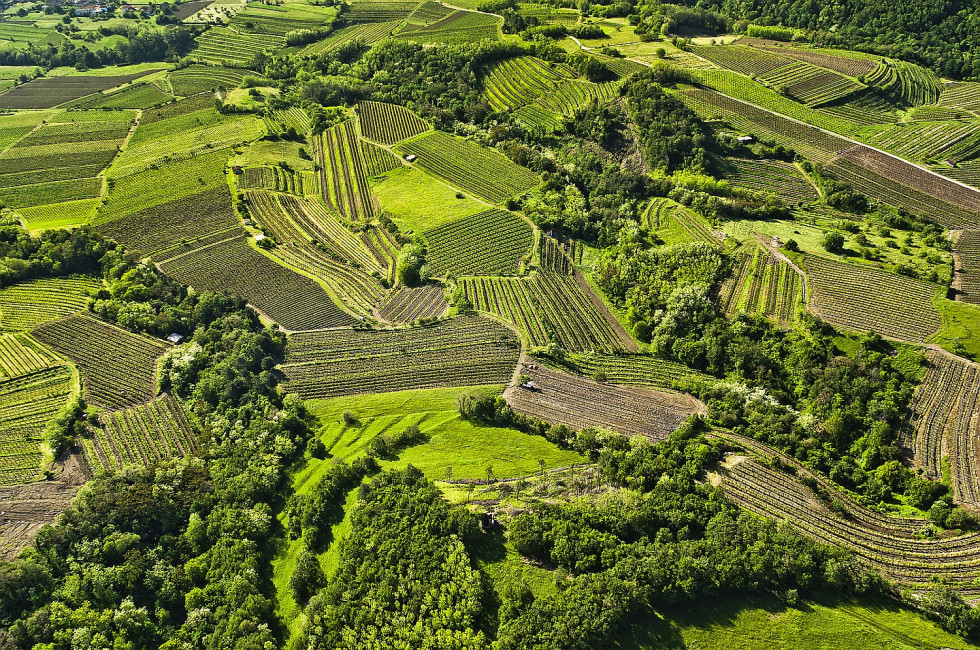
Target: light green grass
point(59, 215)
point(268, 152)
point(618, 31)
point(108, 71)
point(961, 323)
point(417, 201)
point(764, 622)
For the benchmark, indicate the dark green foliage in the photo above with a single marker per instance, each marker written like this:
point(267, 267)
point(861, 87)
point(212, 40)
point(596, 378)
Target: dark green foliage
point(308, 576)
point(833, 241)
point(405, 579)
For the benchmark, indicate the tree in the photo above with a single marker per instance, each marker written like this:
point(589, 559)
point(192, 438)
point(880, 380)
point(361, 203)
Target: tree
point(308, 576)
point(833, 241)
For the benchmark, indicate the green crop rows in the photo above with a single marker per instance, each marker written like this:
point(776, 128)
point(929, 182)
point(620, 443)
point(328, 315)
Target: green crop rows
point(762, 285)
point(492, 242)
point(410, 304)
point(367, 33)
point(459, 352)
point(52, 91)
point(512, 83)
point(343, 175)
point(222, 45)
point(486, 174)
point(863, 299)
point(119, 367)
point(140, 436)
point(967, 249)
point(458, 27)
point(26, 305)
point(945, 140)
point(772, 177)
point(196, 79)
point(389, 123)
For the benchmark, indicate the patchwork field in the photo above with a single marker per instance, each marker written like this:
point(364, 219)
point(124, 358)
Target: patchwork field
point(52, 91)
point(493, 242)
point(25, 305)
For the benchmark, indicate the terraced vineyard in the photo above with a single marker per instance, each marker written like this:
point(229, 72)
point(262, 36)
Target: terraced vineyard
point(410, 304)
point(966, 250)
point(343, 175)
point(380, 11)
point(377, 160)
point(470, 167)
point(963, 95)
point(196, 79)
point(863, 299)
point(27, 403)
point(636, 370)
point(278, 179)
point(944, 422)
point(118, 367)
point(558, 397)
point(492, 242)
point(550, 307)
point(221, 45)
point(772, 177)
point(26, 305)
point(763, 285)
point(368, 33)
point(568, 96)
point(951, 140)
point(140, 436)
point(292, 300)
point(22, 354)
point(458, 27)
point(889, 545)
point(349, 279)
point(458, 352)
point(52, 91)
point(389, 123)
point(512, 83)
point(850, 64)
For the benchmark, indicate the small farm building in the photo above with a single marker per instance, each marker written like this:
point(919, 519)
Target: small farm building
point(411, 157)
point(175, 338)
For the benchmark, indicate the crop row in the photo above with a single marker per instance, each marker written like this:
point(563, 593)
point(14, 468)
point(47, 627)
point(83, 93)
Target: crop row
point(221, 45)
point(915, 562)
point(196, 79)
point(509, 299)
point(291, 118)
point(389, 123)
point(292, 300)
point(863, 299)
point(348, 280)
point(947, 140)
point(369, 34)
point(864, 108)
point(27, 403)
point(809, 84)
point(478, 170)
point(273, 178)
point(459, 27)
point(961, 94)
point(457, 352)
point(26, 305)
point(966, 247)
point(369, 11)
point(47, 92)
point(141, 435)
point(492, 242)
point(21, 354)
point(950, 204)
point(813, 143)
point(845, 65)
point(119, 367)
point(175, 227)
point(636, 370)
point(554, 257)
point(746, 60)
point(410, 304)
point(343, 176)
point(515, 82)
point(377, 160)
point(559, 397)
point(773, 177)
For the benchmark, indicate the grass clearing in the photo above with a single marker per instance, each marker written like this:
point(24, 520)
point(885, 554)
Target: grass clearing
point(417, 201)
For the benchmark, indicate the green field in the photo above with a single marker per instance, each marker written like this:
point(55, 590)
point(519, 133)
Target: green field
point(418, 201)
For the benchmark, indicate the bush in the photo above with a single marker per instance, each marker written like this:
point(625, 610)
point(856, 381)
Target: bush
point(834, 242)
point(307, 578)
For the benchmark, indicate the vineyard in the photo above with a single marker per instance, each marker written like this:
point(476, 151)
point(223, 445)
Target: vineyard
point(846, 63)
point(966, 251)
point(379, 11)
point(485, 173)
point(118, 367)
point(196, 79)
point(772, 177)
point(964, 95)
point(921, 140)
point(276, 178)
point(60, 160)
point(456, 352)
point(512, 83)
point(763, 285)
point(458, 27)
point(349, 279)
point(944, 422)
point(408, 305)
point(550, 307)
point(22, 354)
point(377, 160)
point(47, 92)
point(292, 300)
point(368, 33)
point(222, 46)
point(389, 123)
point(663, 214)
point(27, 402)
point(905, 185)
point(26, 305)
point(343, 175)
point(636, 370)
point(568, 96)
point(142, 95)
point(140, 436)
point(279, 19)
point(891, 545)
point(492, 242)
point(862, 299)
point(557, 397)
